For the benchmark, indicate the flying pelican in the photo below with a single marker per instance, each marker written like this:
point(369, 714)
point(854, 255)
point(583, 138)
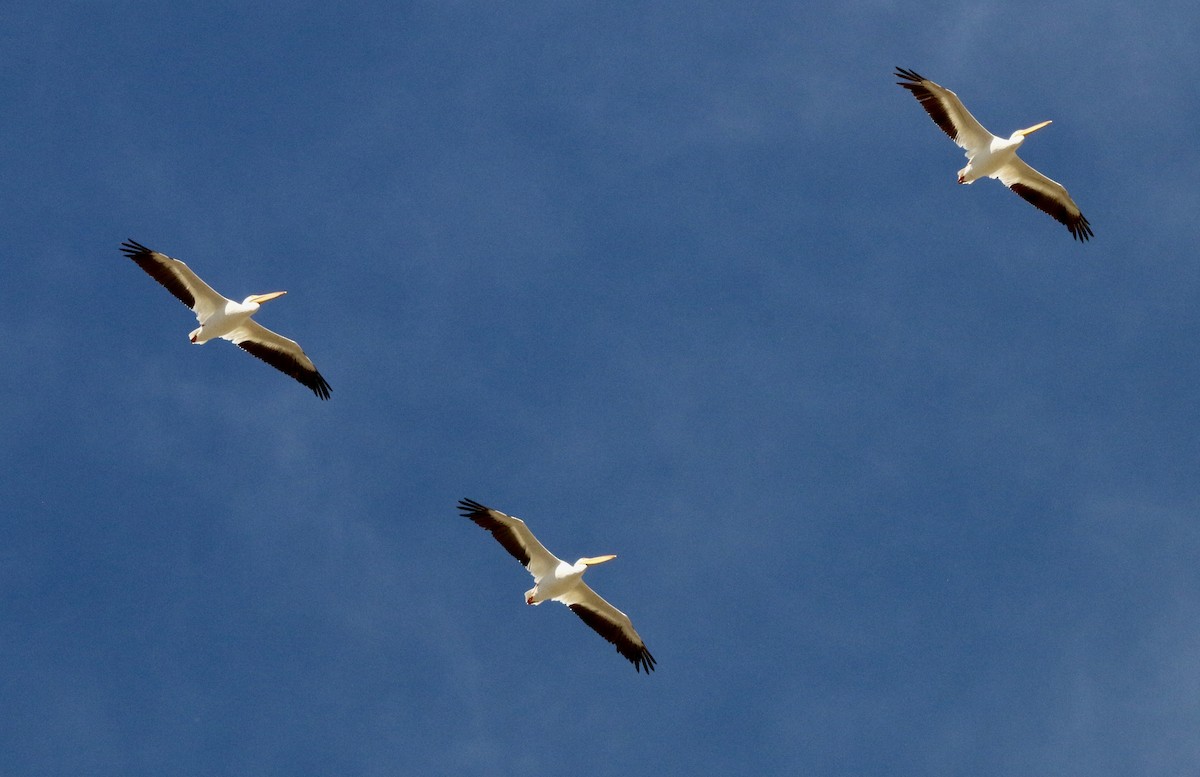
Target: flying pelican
point(993, 157)
point(555, 579)
point(229, 320)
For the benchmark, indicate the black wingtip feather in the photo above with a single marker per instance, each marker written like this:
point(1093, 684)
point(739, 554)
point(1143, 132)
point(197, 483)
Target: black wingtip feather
point(469, 506)
point(132, 248)
point(320, 386)
point(1081, 230)
point(910, 75)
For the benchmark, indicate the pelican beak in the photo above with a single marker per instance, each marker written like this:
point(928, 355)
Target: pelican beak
point(261, 298)
point(596, 560)
point(1035, 128)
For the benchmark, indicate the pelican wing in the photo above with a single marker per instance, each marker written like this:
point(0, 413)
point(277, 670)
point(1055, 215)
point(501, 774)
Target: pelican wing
point(946, 110)
point(281, 353)
point(514, 535)
point(1046, 195)
point(610, 623)
point(177, 278)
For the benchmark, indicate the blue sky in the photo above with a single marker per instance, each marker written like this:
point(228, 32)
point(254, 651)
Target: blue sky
point(902, 479)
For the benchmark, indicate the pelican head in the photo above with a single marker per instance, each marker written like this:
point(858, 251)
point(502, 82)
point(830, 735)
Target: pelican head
point(593, 560)
point(1033, 129)
point(258, 299)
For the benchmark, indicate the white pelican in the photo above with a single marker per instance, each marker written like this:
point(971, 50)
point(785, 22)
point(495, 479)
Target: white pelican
point(555, 579)
point(229, 320)
point(993, 157)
